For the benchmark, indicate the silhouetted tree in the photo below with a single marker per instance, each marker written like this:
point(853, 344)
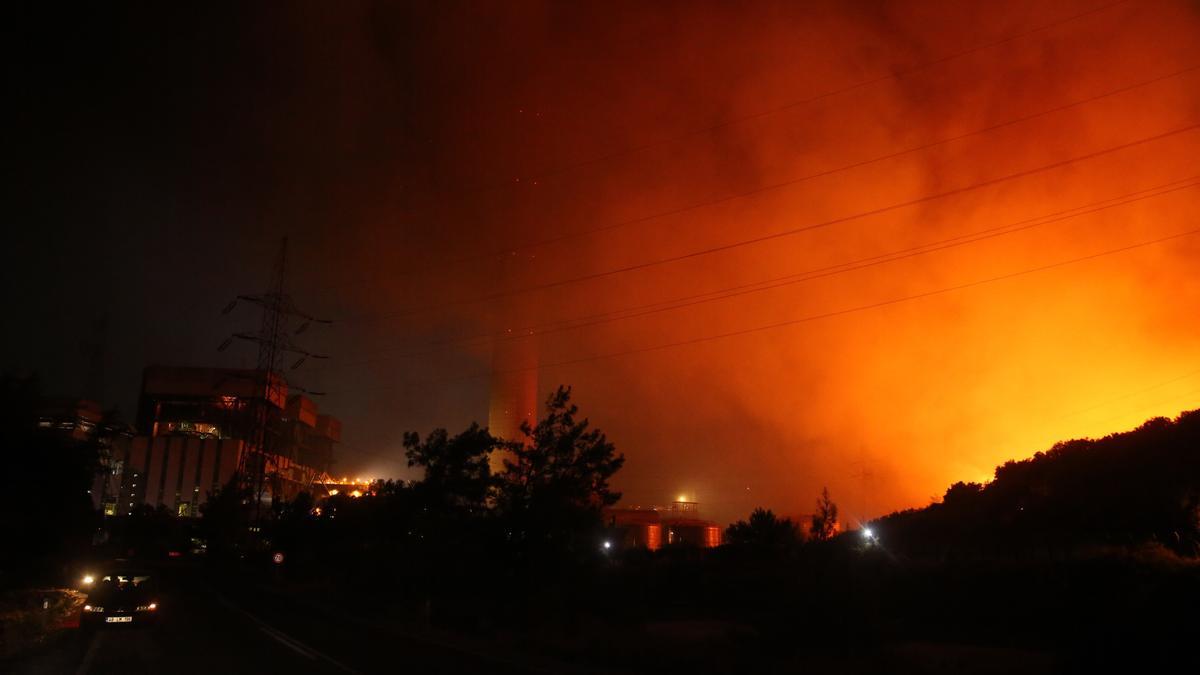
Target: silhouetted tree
point(825, 520)
point(452, 529)
point(225, 518)
point(961, 492)
point(149, 531)
point(764, 530)
point(1127, 489)
point(458, 475)
point(556, 483)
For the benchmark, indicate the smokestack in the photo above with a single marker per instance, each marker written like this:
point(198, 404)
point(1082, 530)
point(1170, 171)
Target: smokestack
point(514, 391)
point(514, 384)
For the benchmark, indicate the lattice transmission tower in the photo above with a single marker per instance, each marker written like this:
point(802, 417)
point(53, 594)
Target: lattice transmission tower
point(276, 347)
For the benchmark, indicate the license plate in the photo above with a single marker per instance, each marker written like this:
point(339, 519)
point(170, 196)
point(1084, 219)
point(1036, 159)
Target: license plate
point(118, 619)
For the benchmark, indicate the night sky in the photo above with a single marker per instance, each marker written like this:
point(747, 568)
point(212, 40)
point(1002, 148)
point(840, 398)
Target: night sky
point(951, 233)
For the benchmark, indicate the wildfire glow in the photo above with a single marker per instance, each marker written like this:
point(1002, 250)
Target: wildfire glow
point(951, 267)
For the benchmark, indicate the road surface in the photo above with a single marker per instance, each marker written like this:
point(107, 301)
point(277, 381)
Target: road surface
point(206, 631)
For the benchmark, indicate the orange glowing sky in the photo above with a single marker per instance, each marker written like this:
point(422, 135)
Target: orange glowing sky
point(886, 405)
point(410, 146)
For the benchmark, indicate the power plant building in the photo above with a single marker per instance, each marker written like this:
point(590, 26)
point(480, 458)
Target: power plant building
point(654, 527)
point(198, 426)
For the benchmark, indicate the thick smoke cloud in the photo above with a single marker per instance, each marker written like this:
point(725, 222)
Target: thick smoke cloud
point(888, 405)
point(404, 145)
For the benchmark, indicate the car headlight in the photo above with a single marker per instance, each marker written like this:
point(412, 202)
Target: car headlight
point(92, 608)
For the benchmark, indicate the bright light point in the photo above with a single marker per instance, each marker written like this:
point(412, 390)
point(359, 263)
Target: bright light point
point(681, 498)
point(87, 579)
point(607, 545)
point(867, 533)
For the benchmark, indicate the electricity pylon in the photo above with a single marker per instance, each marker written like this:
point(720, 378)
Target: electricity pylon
point(274, 340)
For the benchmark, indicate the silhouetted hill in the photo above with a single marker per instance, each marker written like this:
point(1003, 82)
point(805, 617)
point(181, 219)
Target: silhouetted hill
point(1126, 489)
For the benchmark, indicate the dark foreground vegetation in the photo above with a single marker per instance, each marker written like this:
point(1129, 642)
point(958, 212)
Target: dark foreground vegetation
point(1082, 558)
point(46, 514)
point(1126, 490)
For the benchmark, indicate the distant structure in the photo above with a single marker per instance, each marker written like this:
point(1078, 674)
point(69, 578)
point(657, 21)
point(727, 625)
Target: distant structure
point(308, 437)
point(83, 421)
point(276, 345)
point(76, 419)
point(513, 395)
point(678, 524)
point(195, 430)
point(514, 390)
point(804, 522)
point(350, 487)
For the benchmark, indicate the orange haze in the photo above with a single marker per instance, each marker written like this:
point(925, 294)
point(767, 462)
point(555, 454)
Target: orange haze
point(532, 122)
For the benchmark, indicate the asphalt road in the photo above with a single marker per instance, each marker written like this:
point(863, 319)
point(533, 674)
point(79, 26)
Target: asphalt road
point(205, 630)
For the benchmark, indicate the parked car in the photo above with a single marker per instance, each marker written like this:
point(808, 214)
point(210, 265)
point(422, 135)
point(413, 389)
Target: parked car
point(121, 597)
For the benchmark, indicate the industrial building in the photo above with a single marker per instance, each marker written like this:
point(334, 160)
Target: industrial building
point(84, 421)
point(198, 426)
point(176, 472)
point(79, 420)
point(306, 436)
point(206, 402)
point(653, 527)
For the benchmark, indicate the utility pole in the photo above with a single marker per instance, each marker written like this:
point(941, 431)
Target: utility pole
point(274, 340)
point(862, 476)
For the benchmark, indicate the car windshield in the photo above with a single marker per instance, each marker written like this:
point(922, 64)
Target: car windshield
point(122, 584)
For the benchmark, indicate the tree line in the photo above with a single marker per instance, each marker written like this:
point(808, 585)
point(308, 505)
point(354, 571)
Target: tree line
point(766, 532)
point(1130, 489)
point(454, 539)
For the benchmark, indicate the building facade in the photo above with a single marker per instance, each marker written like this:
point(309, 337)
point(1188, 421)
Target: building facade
point(678, 524)
point(197, 427)
point(175, 472)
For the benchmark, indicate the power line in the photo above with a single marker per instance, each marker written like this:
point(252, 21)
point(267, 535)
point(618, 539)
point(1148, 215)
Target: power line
point(263, 454)
point(818, 97)
point(1187, 396)
point(1045, 420)
point(854, 165)
point(813, 317)
point(773, 236)
point(799, 277)
point(861, 308)
point(1129, 395)
point(817, 317)
point(733, 121)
